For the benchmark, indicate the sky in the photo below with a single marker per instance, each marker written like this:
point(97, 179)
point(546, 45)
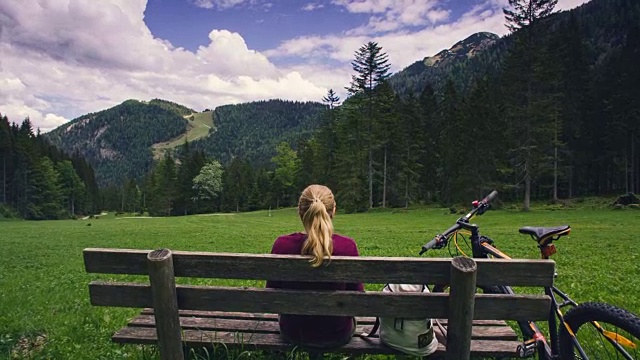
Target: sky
point(61, 59)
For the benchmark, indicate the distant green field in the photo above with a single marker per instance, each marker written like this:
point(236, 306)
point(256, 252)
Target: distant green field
point(197, 128)
point(45, 311)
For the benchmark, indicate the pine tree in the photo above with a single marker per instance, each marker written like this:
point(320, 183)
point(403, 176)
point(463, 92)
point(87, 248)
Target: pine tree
point(529, 110)
point(331, 99)
point(45, 197)
point(5, 157)
point(527, 12)
point(372, 67)
point(428, 151)
point(73, 188)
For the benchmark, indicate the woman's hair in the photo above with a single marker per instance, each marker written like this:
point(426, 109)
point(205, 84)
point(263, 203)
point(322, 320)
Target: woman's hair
point(316, 208)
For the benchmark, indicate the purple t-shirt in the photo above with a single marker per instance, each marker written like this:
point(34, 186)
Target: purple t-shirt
point(312, 328)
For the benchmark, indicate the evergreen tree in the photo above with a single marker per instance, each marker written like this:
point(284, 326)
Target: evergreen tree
point(452, 141)
point(529, 108)
point(72, 187)
point(428, 156)
point(349, 174)
point(526, 12)
point(238, 182)
point(372, 67)
point(45, 197)
point(411, 145)
point(386, 140)
point(164, 188)
point(5, 157)
point(331, 99)
point(573, 75)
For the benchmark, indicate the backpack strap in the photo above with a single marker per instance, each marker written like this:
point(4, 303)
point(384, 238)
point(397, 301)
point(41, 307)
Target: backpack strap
point(373, 330)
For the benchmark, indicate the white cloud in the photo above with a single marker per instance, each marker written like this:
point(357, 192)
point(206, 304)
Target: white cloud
point(220, 4)
point(569, 4)
point(312, 6)
point(64, 58)
point(403, 47)
point(391, 15)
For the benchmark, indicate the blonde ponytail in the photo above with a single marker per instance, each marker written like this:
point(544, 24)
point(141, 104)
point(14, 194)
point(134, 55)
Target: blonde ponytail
point(316, 208)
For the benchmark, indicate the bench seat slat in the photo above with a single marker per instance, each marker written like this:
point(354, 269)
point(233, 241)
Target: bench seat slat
point(372, 270)
point(198, 338)
point(432, 305)
point(366, 320)
point(271, 326)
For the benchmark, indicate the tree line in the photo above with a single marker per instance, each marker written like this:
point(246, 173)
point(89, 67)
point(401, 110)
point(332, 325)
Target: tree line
point(187, 181)
point(547, 125)
point(38, 181)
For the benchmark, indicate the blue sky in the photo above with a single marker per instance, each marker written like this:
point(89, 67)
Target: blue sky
point(64, 58)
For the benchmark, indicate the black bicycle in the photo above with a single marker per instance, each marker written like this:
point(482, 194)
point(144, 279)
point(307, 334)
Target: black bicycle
point(590, 330)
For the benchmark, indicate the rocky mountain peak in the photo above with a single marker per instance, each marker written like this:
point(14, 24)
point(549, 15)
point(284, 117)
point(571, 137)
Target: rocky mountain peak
point(466, 48)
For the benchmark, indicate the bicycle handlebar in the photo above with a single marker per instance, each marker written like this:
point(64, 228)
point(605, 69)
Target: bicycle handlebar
point(479, 208)
point(490, 197)
point(428, 245)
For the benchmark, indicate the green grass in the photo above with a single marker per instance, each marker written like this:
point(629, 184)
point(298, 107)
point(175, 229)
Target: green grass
point(45, 311)
point(197, 128)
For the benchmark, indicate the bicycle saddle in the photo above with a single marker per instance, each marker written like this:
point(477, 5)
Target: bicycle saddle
point(540, 233)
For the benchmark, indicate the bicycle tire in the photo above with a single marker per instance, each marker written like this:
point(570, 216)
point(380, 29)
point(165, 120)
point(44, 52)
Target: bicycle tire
point(623, 322)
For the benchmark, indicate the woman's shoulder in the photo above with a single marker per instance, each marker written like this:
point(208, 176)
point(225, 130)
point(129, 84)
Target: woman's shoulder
point(338, 237)
point(344, 245)
point(295, 235)
point(288, 244)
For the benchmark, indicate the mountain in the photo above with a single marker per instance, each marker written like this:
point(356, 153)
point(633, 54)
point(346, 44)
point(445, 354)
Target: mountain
point(117, 141)
point(602, 26)
point(438, 68)
point(122, 142)
point(252, 130)
point(462, 50)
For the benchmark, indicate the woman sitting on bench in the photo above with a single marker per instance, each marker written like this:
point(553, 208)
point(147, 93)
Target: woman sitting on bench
point(316, 208)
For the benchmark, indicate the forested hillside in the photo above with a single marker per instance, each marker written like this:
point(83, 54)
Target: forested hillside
point(251, 131)
point(39, 182)
point(602, 27)
point(550, 112)
point(559, 117)
point(477, 55)
point(117, 141)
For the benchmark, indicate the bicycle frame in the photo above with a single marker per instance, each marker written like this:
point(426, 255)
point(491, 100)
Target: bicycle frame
point(534, 338)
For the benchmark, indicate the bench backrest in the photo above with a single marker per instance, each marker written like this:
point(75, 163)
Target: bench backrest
point(459, 307)
point(377, 270)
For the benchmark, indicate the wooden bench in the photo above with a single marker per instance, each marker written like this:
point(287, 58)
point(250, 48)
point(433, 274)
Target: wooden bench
point(175, 317)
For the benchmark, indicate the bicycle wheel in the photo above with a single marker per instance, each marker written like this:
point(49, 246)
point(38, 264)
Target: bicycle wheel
point(617, 338)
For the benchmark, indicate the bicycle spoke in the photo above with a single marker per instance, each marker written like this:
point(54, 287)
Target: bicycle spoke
point(617, 345)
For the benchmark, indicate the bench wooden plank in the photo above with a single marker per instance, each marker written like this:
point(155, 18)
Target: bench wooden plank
point(270, 326)
point(367, 320)
point(357, 346)
point(245, 299)
point(373, 270)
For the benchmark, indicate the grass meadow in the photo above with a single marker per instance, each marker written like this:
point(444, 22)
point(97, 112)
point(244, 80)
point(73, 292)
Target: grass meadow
point(197, 128)
point(45, 311)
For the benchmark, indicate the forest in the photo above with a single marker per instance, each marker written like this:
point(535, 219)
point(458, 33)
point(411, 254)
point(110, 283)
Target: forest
point(553, 122)
point(39, 182)
point(117, 142)
point(548, 113)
